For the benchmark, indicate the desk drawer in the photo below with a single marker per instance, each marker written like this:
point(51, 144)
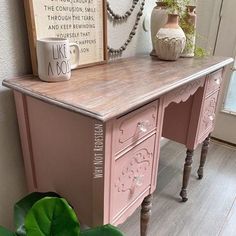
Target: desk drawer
point(129, 128)
point(208, 115)
point(132, 175)
point(213, 82)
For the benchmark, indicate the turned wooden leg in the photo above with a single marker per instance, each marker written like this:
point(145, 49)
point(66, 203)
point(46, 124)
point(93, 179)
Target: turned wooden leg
point(145, 214)
point(187, 172)
point(204, 152)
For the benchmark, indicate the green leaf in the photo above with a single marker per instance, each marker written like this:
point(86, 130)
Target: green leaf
point(6, 232)
point(22, 207)
point(106, 230)
point(51, 216)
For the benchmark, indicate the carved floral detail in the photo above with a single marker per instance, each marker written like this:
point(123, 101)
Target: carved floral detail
point(133, 174)
point(124, 130)
point(182, 93)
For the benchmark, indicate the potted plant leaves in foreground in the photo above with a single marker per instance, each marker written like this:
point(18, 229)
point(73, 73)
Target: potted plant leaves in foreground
point(47, 214)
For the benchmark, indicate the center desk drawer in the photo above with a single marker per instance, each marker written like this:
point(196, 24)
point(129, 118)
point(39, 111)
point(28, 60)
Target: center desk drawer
point(132, 176)
point(128, 129)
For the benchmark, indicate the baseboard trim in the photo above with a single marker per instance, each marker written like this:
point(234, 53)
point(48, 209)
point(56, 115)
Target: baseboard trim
point(224, 142)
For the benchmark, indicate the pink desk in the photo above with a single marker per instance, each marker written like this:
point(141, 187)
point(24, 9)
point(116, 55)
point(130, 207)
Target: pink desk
point(95, 139)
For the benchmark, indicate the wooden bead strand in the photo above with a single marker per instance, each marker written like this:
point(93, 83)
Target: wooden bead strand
point(117, 17)
point(116, 52)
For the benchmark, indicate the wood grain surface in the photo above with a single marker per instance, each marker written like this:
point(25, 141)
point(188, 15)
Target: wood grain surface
point(110, 90)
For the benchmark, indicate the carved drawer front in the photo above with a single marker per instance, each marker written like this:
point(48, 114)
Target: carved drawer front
point(208, 115)
point(132, 176)
point(135, 125)
point(213, 82)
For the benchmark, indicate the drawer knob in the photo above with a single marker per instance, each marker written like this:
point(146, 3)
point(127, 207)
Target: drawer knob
point(212, 117)
point(217, 81)
point(138, 180)
point(143, 126)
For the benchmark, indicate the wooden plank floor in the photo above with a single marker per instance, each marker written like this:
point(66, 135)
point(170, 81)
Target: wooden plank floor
point(211, 208)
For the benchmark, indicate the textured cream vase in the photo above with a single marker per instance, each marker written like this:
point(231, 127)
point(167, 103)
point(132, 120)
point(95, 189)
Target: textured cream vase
point(158, 20)
point(170, 40)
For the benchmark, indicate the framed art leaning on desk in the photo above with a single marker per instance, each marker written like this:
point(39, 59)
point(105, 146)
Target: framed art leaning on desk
point(82, 22)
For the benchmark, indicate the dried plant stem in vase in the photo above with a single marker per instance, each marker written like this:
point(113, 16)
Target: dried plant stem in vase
point(170, 40)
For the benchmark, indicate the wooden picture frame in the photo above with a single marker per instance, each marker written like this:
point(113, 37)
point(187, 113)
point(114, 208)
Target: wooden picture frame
point(42, 16)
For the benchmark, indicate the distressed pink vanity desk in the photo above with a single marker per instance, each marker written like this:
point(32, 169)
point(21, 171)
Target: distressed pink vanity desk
point(95, 139)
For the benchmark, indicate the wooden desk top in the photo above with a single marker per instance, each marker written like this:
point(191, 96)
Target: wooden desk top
point(109, 90)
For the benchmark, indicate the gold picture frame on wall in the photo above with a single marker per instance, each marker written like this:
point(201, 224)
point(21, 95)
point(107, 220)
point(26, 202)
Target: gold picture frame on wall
point(81, 21)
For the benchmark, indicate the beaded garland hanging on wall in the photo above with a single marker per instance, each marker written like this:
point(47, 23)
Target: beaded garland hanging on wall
point(122, 18)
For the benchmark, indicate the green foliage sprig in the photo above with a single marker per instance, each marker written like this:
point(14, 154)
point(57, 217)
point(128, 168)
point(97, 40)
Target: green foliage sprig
point(200, 52)
point(176, 6)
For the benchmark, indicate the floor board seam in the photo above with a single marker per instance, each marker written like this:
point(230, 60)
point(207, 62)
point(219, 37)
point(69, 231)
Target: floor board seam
point(227, 217)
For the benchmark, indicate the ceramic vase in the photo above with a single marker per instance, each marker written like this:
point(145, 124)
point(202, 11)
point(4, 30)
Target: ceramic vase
point(158, 20)
point(189, 27)
point(170, 40)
